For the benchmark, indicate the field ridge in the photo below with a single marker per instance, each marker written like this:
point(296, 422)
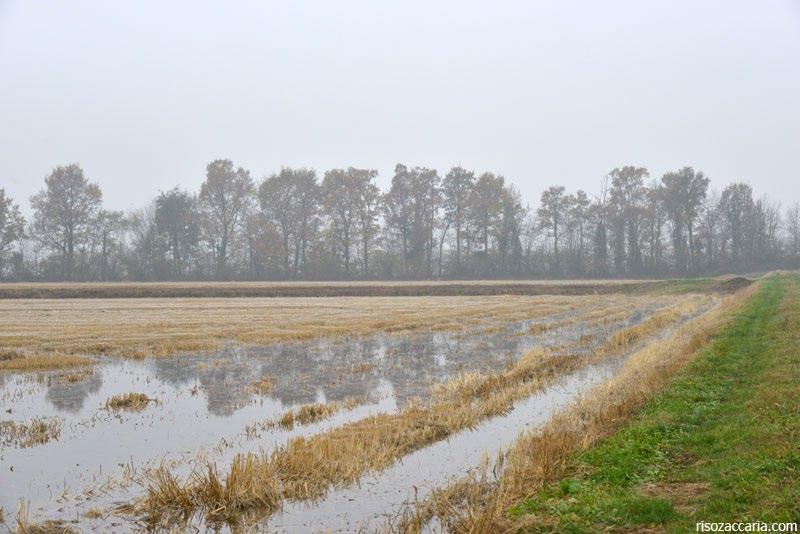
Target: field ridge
point(111, 290)
point(719, 444)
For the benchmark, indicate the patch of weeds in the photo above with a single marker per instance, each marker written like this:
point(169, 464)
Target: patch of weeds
point(24, 435)
point(133, 402)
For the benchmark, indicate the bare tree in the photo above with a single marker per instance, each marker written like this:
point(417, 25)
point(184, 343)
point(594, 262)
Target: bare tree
point(109, 227)
point(653, 220)
point(352, 200)
point(397, 204)
point(709, 230)
point(63, 213)
point(763, 232)
point(145, 256)
point(628, 194)
point(508, 232)
point(225, 197)
point(792, 225)
point(599, 214)
point(456, 188)
point(177, 220)
point(484, 206)
point(367, 201)
point(289, 201)
point(12, 225)
point(684, 193)
point(410, 210)
point(421, 227)
point(736, 206)
point(551, 213)
point(307, 193)
point(276, 198)
point(579, 206)
point(340, 199)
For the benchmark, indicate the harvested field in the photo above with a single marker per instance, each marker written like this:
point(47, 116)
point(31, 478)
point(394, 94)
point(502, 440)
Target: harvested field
point(264, 405)
point(145, 327)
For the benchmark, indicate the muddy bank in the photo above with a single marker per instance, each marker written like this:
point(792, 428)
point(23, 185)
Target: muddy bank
point(377, 289)
point(733, 284)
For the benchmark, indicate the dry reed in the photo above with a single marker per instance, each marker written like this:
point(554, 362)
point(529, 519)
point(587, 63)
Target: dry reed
point(304, 415)
point(248, 485)
point(94, 513)
point(632, 335)
point(312, 413)
point(24, 435)
point(26, 526)
point(133, 402)
point(43, 362)
point(307, 413)
point(73, 377)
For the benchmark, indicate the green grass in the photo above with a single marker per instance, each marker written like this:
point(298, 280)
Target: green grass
point(721, 443)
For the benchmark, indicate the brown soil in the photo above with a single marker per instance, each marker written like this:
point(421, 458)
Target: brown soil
point(733, 284)
point(374, 289)
point(681, 494)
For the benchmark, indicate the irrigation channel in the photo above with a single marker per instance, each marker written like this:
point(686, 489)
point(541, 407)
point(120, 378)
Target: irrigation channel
point(208, 408)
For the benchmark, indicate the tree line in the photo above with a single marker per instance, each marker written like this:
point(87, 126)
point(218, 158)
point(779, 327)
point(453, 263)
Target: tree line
point(296, 225)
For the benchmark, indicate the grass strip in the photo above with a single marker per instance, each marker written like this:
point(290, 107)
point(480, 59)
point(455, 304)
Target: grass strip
point(719, 444)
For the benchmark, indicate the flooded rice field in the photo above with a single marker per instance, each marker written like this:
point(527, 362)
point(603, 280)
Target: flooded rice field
point(379, 497)
point(76, 448)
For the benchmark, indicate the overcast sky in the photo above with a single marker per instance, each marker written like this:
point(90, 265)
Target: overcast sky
point(143, 94)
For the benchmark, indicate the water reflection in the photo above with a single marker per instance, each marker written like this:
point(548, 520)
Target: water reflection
point(338, 369)
point(206, 403)
point(334, 369)
point(70, 397)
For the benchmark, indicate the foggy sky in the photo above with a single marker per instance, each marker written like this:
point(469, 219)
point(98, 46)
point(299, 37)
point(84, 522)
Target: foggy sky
point(144, 95)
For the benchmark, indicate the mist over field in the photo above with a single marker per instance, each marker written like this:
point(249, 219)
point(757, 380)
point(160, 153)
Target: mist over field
point(365, 141)
point(294, 226)
point(399, 267)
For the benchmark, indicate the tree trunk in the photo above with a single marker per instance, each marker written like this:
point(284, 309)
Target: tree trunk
point(441, 247)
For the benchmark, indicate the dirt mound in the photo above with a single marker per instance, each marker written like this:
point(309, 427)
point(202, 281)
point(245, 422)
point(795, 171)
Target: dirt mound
point(733, 284)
